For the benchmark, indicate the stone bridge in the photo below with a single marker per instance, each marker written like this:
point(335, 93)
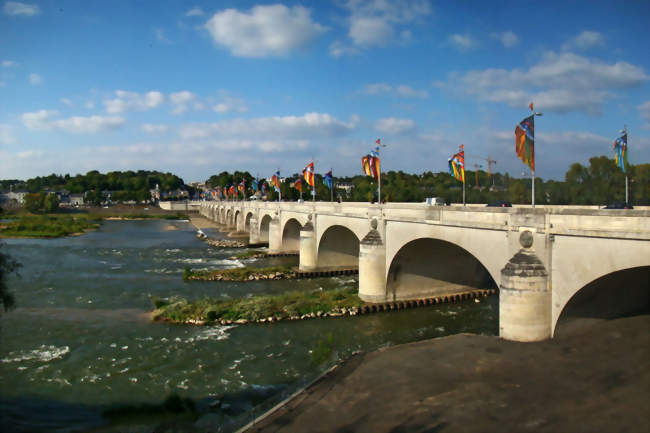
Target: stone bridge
point(539, 259)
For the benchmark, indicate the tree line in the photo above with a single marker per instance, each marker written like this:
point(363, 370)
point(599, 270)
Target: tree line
point(599, 183)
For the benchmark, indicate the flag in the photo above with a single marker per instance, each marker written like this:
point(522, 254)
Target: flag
point(275, 181)
point(525, 141)
point(374, 162)
point(231, 190)
point(255, 186)
point(531, 107)
point(620, 151)
point(365, 165)
point(378, 141)
point(263, 187)
point(327, 179)
point(297, 184)
point(242, 186)
point(308, 173)
point(457, 165)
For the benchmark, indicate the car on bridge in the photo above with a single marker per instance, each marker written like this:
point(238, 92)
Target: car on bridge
point(499, 203)
point(619, 205)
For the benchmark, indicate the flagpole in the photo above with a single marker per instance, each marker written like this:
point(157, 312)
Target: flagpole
point(533, 188)
point(463, 188)
point(379, 182)
point(627, 201)
point(332, 187)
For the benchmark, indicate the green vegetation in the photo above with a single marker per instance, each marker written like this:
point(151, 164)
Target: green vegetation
point(41, 202)
point(249, 254)
point(236, 274)
point(140, 216)
point(46, 226)
point(282, 306)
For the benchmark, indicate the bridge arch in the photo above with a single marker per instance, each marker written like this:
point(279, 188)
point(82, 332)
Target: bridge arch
point(247, 221)
point(229, 217)
point(425, 267)
point(338, 246)
point(291, 235)
point(615, 294)
point(222, 215)
point(237, 219)
point(265, 224)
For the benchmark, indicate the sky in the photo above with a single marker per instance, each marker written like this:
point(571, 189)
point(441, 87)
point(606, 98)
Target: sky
point(196, 88)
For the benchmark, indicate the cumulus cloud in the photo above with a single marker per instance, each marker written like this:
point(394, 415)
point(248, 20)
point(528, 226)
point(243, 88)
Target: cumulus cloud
point(644, 112)
point(181, 100)
point(509, 39)
point(584, 41)
point(392, 125)
point(310, 125)
point(151, 128)
point(35, 79)
point(44, 120)
point(462, 42)
point(195, 12)
point(401, 90)
point(376, 22)
point(263, 31)
point(231, 104)
point(559, 82)
point(8, 63)
point(17, 8)
point(132, 101)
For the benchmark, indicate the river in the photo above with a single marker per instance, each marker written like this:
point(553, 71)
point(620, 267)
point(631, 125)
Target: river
point(80, 342)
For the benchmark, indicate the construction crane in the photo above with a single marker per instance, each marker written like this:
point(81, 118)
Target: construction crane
point(490, 162)
point(476, 167)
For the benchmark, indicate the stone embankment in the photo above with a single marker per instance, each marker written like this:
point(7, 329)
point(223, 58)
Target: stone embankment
point(226, 243)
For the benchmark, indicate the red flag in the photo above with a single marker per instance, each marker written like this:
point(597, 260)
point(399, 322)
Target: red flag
point(531, 106)
point(379, 141)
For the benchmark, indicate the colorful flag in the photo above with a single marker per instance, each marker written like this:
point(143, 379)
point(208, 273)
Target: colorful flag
point(231, 190)
point(308, 173)
point(263, 187)
point(620, 151)
point(297, 184)
point(378, 141)
point(255, 186)
point(242, 186)
point(457, 165)
point(525, 141)
point(365, 165)
point(275, 181)
point(327, 179)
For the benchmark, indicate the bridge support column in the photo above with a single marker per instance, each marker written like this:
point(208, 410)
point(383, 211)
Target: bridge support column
point(254, 230)
point(372, 266)
point(308, 250)
point(240, 224)
point(275, 236)
point(524, 297)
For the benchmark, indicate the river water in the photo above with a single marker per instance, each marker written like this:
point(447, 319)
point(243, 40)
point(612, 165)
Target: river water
point(80, 341)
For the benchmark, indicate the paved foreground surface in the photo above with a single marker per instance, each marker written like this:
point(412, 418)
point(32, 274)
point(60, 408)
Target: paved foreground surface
point(594, 380)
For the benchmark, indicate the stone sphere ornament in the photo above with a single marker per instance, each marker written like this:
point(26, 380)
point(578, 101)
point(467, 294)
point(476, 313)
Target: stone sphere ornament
point(526, 239)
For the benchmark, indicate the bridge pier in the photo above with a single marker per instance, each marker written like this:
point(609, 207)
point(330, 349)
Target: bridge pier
point(275, 235)
point(372, 266)
point(524, 297)
point(254, 231)
point(308, 250)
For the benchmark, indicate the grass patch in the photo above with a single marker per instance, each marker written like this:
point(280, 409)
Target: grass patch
point(249, 254)
point(282, 306)
point(46, 226)
point(238, 274)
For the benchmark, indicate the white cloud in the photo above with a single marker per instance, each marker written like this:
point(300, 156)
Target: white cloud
point(6, 134)
point(151, 128)
point(195, 12)
point(559, 82)
point(309, 125)
point(584, 41)
point(132, 101)
point(401, 90)
point(181, 100)
point(366, 32)
point(43, 120)
point(231, 104)
point(65, 101)
point(35, 79)
point(644, 112)
point(8, 63)
point(376, 22)
point(463, 42)
point(392, 125)
point(273, 30)
point(508, 38)
point(17, 8)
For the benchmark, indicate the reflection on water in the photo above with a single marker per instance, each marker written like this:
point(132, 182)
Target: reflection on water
point(81, 340)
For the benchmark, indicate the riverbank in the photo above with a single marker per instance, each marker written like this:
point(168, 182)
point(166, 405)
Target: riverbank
point(593, 379)
point(46, 226)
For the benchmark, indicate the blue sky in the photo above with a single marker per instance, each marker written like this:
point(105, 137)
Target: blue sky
point(196, 88)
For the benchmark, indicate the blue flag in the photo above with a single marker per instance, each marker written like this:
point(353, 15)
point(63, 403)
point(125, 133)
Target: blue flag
point(327, 180)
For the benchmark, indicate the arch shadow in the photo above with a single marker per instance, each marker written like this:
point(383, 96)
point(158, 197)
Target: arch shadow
point(429, 267)
point(338, 248)
point(264, 228)
point(618, 294)
point(291, 235)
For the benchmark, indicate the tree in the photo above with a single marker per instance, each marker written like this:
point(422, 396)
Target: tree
point(34, 202)
point(51, 203)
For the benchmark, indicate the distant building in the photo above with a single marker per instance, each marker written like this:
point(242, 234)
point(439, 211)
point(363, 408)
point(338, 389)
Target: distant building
point(76, 199)
point(14, 197)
